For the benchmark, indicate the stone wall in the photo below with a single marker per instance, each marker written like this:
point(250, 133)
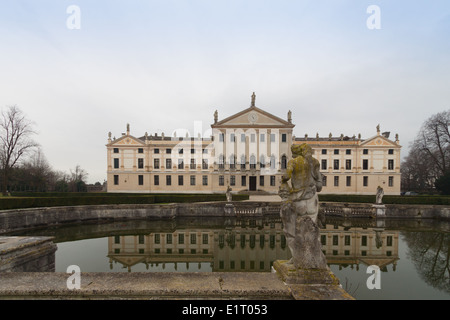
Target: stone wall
point(21, 219)
point(27, 254)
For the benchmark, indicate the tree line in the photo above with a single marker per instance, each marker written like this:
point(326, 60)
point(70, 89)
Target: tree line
point(23, 166)
point(426, 168)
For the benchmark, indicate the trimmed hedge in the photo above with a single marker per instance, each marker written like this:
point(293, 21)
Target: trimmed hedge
point(84, 200)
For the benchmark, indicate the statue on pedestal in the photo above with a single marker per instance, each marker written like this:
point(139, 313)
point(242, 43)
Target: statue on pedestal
point(300, 208)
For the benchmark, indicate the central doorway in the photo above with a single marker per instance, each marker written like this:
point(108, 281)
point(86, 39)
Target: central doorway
point(252, 183)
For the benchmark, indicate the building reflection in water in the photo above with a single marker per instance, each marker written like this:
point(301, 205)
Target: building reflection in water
point(249, 245)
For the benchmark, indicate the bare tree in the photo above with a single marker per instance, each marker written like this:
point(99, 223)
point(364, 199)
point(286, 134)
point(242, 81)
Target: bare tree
point(429, 156)
point(434, 140)
point(15, 141)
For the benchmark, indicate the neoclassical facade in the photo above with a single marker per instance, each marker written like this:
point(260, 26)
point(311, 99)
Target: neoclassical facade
point(248, 151)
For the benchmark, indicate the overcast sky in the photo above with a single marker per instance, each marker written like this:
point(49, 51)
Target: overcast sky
point(162, 65)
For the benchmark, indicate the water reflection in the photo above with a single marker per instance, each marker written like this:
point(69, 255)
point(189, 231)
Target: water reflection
point(413, 255)
point(240, 245)
point(430, 254)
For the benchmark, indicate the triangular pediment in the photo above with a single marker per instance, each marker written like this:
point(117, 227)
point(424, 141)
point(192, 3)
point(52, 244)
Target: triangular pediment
point(379, 141)
point(128, 141)
point(252, 117)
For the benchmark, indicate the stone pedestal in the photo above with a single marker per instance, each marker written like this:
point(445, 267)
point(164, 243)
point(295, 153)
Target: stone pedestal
point(380, 210)
point(310, 284)
point(229, 210)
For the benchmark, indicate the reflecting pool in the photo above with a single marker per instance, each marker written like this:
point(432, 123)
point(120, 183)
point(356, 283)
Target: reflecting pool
point(412, 255)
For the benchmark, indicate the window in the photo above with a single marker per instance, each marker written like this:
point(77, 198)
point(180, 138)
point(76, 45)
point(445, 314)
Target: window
point(262, 137)
point(169, 164)
point(205, 238)
point(232, 137)
point(365, 181)
point(168, 151)
point(272, 137)
point(348, 181)
point(335, 240)
point(336, 164)
point(324, 181)
point(192, 151)
point(272, 181)
point(116, 163)
point(169, 238)
point(221, 180)
point(140, 150)
point(324, 151)
point(232, 162)
point(192, 179)
point(252, 137)
point(205, 180)
point(232, 180)
point(157, 238)
point(348, 164)
point(116, 150)
point(180, 164)
point(156, 180)
point(116, 179)
point(180, 180)
point(204, 164)
point(140, 180)
point(283, 137)
point(365, 151)
point(243, 162)
point(389, 241)
point(181, 238)
point(363, 241)
point(168, 180)
point(391, 151)
point(242, 137)
point(336, 181)
point(180, 151)
point(155, 163)
point(193, 165)
point(193, 238)
point(252, 162)
point(262, 161)
point(221, 137)
point(221, 162)
point(348, 151)
point(347, 240)
point(283, 162)
point(324, 164)
point(391, 181)
point(155, 151)
point(261, 181)
point(243, 181)
point(365, 164)
point(336, 151)
point(390, 164)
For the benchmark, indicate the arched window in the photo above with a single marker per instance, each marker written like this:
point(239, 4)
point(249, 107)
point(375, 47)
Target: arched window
point(243, 162)
point(232, 162)
point(262, 161)
point(283, 162)
point(272, 162)
point(252, 162)
point(221, 161)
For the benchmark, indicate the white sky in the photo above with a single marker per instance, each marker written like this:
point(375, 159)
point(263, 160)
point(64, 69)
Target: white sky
point(161, 65)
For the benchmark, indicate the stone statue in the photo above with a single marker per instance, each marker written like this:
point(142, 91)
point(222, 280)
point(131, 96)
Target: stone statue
point(380, 193)
point(216, 116)
point(253, 99)
point(290, 116)
point(300, 208)
point(228, 193)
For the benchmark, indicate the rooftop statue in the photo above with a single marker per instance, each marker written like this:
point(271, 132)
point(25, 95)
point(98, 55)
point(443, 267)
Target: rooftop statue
point(300, 208)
